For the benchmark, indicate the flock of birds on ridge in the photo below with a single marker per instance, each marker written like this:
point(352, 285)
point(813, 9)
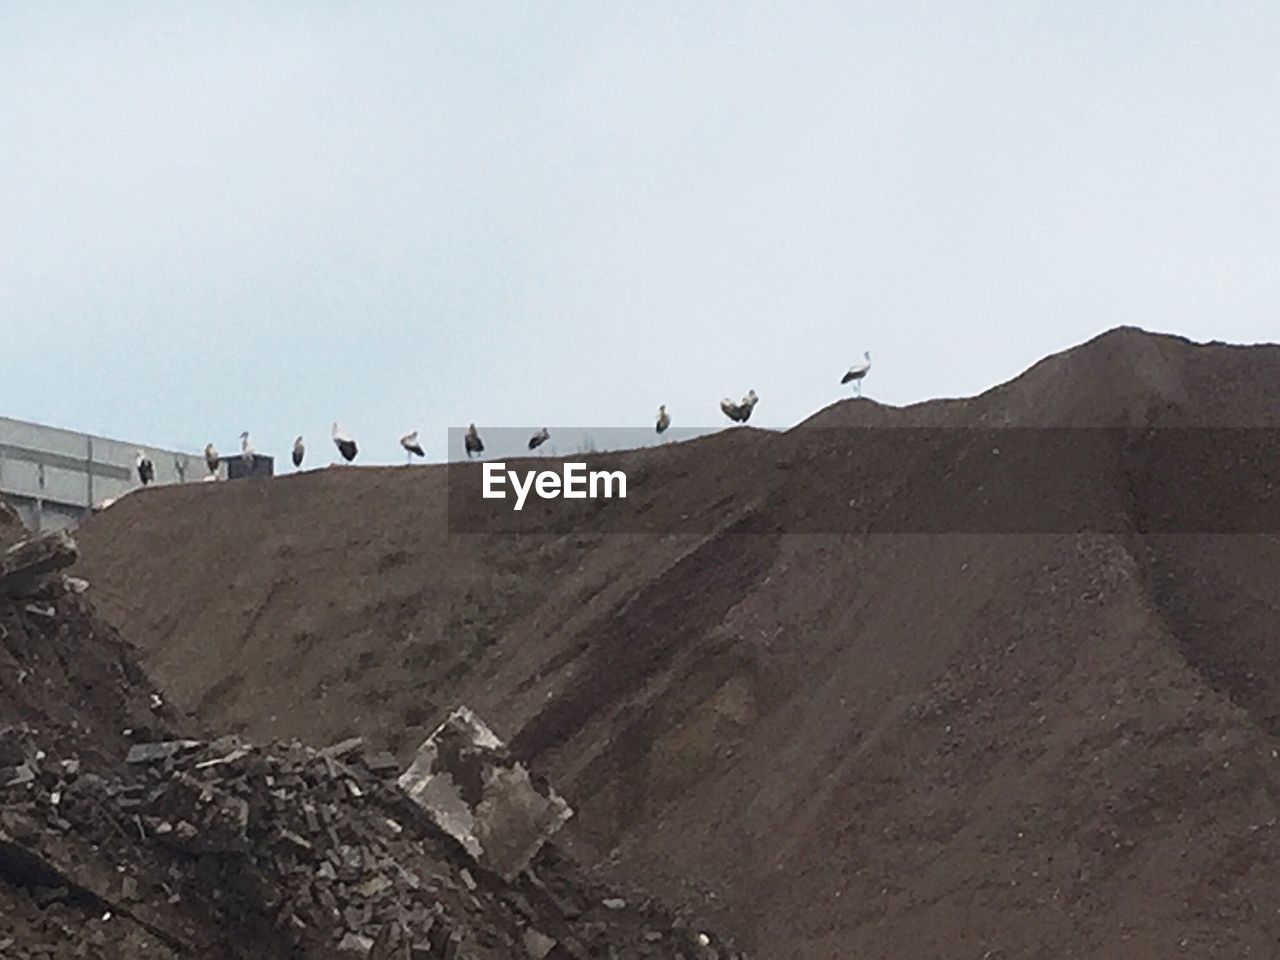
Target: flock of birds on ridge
point(347, 448)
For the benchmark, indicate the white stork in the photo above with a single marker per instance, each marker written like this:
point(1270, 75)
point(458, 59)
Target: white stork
point(473, 442)
point(664, 421)
point(857, 372)
point(146, 469)
point(211, 458)
point(299, 451)
point(740, 412)
point(412, 447)
point(539, 438)
point(346, 446)
point(247, 453)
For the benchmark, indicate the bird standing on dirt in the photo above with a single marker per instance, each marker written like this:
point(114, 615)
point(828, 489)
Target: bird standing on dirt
point(664, 421)
point(740, 412)
point(346, 446)
point(299, 451)
point(472, 442)
point(411, 446)
point(146, 469)
point(211, 459)
point(857, 372)
point(539, 438)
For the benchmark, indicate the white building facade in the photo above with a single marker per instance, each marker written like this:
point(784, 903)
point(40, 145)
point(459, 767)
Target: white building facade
point(54, 477)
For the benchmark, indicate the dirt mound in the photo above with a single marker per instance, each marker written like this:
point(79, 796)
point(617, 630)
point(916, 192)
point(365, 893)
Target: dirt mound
point(856, 744)
point(120, 838)
point(1125, 376)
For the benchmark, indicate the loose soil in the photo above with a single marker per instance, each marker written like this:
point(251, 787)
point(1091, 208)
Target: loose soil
point(853, 745)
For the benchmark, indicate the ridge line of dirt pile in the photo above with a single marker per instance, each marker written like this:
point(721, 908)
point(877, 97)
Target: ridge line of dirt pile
point(848, 745)
point(119, 838)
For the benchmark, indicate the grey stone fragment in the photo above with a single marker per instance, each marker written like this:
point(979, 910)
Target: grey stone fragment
point(464, 779)
point(18, 775)
point(537, 944)
point(342, 748)
point(231, 757)
point(155, 752)
point(382, 762)
point(356, 944)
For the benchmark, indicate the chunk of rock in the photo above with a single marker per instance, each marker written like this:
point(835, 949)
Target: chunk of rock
point(468, 784)
point(354, 943)
point(155, 752)
point(537, 944)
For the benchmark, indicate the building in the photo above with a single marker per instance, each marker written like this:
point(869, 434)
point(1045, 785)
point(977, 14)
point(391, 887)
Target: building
point(237, 468)
point(55, 477)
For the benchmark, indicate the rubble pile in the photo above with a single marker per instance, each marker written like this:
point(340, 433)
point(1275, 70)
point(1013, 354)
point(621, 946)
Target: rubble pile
point(134, 841)
point(309, 850)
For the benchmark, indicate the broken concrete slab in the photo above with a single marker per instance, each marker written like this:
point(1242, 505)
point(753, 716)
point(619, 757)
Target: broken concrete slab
point(23, 564)
point(464, 779)
point(155, 752)
point(341, 749)
point(382, 761)
point(355, 943)
point(537, 944)
point(23, 773)
point(239, 753)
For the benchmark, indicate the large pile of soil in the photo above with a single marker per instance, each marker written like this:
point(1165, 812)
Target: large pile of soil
point(855, 745)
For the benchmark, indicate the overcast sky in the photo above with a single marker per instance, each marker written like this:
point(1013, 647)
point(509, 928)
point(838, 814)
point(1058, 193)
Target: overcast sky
point(267, 216)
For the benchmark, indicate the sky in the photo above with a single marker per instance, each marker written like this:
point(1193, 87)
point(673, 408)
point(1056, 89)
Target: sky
point(227, 216)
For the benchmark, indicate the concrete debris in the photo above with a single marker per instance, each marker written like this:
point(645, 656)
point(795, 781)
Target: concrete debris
point(231, 757)
point(537, 944)
point(273, 838)
point(354, 943)
point(18, 775)
point(26, 563)
point(382, 762)
point(465, 780)
point(339, 750)
point(120, 839)
point(155, 752)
